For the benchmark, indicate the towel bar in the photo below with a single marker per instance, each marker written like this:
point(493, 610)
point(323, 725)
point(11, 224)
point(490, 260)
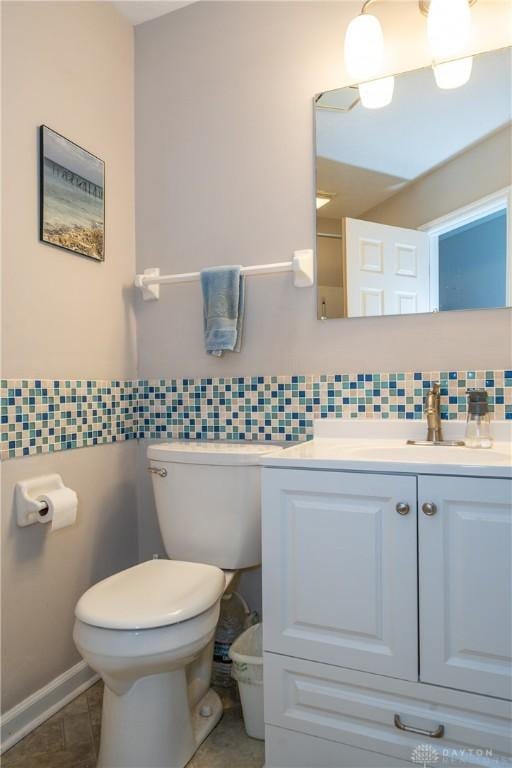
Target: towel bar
point(301, 265)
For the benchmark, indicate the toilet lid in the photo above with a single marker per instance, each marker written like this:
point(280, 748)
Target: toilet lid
point(211, 452)
point(153, 594)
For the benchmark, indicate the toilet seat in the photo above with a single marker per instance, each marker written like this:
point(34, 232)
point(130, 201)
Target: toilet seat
point(157, 593)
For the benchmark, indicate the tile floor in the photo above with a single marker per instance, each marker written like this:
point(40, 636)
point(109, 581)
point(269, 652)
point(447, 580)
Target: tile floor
point(70, 739)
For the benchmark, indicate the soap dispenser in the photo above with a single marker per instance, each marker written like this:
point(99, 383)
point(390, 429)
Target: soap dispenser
point(478, 426)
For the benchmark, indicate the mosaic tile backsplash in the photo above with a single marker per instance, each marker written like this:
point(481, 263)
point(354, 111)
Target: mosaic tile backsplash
point(41, 416)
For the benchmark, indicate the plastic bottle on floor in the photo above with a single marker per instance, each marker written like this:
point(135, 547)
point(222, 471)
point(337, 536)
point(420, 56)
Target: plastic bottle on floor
point(234, 618)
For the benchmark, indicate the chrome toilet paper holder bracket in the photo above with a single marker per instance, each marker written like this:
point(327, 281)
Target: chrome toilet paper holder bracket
point(29, 509)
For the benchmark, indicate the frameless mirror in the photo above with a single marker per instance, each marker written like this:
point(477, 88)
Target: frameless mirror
point(413, 198)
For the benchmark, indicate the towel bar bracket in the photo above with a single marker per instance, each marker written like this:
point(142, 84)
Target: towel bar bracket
point(150, 290)
point(302, 265)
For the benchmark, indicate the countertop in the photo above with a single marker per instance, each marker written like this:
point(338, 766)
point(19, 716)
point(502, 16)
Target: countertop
point(381, 447)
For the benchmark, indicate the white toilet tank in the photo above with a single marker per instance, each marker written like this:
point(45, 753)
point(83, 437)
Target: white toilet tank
point(207, 498)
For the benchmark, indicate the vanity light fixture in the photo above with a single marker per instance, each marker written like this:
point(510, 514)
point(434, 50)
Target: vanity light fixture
point(364, 59)
point(377, 93)
point(448, 32)
point(364, 46)
point(453, 74)
point(448, 28)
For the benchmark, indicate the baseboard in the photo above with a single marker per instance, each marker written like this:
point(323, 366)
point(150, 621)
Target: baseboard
point(35, 709)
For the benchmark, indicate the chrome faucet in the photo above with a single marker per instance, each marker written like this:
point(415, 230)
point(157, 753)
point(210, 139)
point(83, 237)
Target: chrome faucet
point(433, 414)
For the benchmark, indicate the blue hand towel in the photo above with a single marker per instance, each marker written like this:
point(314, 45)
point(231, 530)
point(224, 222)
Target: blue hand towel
point(223, 309)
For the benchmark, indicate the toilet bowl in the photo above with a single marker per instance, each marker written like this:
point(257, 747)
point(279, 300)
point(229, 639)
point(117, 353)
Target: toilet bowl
point(148, 631)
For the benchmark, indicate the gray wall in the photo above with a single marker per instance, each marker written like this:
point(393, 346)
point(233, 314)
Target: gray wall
point(224, 171)
point(44, 573)
point(69, 65)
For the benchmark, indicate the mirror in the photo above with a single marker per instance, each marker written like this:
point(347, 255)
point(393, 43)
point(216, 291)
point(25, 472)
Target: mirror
point(413, 199)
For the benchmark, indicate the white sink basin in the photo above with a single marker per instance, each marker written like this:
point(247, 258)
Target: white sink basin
point(430, 453)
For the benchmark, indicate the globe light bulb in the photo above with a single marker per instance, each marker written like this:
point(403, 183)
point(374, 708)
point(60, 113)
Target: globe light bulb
point(364, 47)
point(448, 28)
point(453, 74)
point(377, 93)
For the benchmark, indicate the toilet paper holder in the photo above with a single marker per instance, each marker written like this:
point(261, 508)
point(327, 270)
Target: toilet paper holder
point(29, 509)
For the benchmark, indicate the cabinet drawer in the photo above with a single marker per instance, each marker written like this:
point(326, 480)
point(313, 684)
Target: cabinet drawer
point(358, 709)
point(290, 749)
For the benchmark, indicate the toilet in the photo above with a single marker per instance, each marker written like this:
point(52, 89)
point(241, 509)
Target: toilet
point(148, 630)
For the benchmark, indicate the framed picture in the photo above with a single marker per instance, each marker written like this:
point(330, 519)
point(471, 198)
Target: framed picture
point(72, 199)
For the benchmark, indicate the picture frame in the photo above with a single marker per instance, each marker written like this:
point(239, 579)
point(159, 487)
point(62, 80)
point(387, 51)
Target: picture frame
point(71, 196)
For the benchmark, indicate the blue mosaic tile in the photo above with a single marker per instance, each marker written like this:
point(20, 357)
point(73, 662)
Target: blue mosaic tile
point(39, 416)
point(279, 409)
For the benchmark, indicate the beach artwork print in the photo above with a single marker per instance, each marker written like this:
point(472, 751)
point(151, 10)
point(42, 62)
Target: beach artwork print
point(72, 196)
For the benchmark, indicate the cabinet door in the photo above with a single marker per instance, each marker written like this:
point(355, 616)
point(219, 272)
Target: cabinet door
point(465, 584)
point(340, 569)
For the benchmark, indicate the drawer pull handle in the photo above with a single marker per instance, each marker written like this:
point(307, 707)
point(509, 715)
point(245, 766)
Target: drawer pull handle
point(435, 734)
point(402, 508)
point(160, 471)
point(429, 508)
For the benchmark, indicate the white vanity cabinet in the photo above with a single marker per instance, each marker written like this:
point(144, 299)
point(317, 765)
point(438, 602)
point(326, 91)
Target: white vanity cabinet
point(387, 618)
